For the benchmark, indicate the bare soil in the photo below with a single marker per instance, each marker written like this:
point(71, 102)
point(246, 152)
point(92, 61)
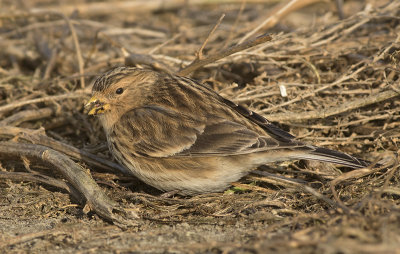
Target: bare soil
point(339, 66)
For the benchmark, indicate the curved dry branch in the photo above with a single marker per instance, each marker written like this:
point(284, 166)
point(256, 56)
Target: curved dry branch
point(79, 177)
point(17, 104)
point(36, 137)
point(227, 52)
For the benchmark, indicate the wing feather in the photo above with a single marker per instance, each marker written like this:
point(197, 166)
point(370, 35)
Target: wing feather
point(182, 135)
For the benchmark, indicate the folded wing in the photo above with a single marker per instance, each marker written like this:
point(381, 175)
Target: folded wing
point(181, 135)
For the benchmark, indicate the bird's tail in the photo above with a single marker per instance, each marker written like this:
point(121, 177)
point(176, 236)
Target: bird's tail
point(327, 155)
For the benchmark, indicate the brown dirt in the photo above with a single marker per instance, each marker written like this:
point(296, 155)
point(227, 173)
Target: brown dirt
point(342, 81)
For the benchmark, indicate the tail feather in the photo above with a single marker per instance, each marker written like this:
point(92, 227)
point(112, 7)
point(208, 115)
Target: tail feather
point(327, 155)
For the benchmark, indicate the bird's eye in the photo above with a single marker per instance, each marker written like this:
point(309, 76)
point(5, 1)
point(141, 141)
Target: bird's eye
point(119, 91)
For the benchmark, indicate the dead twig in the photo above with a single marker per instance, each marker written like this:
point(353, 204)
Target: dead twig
point(79, 177)
point(27, 115)
point(17, 104)
point(303, 186)
point(343, 78)
point(30, 236)
point(199, 54)
point(43, 179)
point(234, 26)
point(354, 174)
point(74, 38)
point(277, 14)
point(335, 110)
point(36, 137)
point(227, 52)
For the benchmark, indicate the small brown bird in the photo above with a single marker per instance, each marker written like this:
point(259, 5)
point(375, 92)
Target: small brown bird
point(176, 134)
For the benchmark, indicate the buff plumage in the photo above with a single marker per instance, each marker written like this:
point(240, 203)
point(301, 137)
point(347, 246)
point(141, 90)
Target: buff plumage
point(176, 134)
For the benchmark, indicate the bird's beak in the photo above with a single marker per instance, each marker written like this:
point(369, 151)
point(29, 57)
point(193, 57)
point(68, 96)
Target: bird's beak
point(95, 106)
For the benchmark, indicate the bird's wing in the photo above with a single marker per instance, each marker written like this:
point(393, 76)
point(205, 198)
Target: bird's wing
point(159, 132)
point(261, 121)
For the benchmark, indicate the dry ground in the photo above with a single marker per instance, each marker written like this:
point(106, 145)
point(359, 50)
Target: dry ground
point(341, 76)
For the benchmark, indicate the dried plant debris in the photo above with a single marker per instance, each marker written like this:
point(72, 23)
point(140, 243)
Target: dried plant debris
point(328, 72)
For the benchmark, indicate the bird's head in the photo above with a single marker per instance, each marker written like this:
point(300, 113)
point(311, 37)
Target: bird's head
point(118, 91)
